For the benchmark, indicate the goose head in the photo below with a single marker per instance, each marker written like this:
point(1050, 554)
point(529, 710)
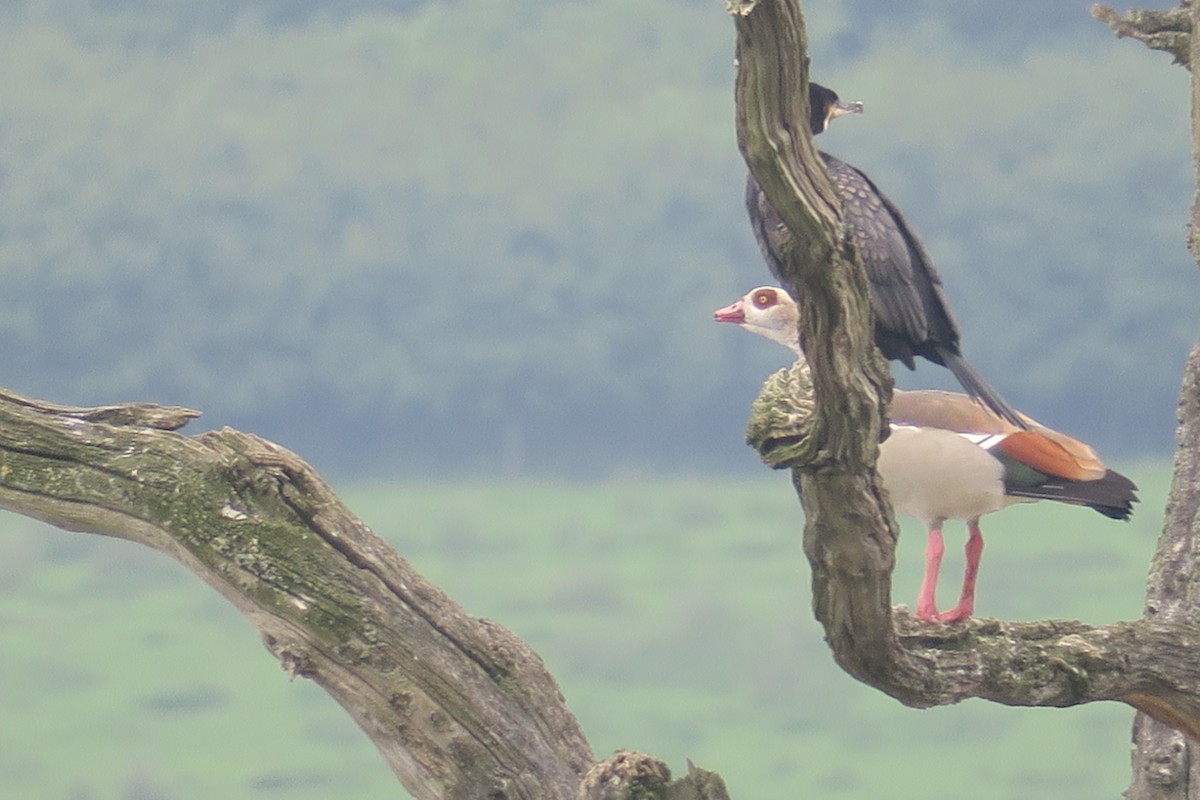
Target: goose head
point(768, 311)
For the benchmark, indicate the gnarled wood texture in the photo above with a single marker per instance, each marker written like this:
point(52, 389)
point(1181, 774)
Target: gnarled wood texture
point(1166, 763)
point(1169, 30)
point(458, 706)
point(849, 534)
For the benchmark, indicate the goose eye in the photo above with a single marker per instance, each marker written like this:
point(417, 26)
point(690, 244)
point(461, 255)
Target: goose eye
point(764, 299)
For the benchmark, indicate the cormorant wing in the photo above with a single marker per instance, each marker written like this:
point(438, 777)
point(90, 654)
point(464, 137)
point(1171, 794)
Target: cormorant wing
point(912, 316)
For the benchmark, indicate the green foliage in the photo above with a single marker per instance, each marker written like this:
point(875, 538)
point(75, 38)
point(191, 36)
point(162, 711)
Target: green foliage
point(675, 615)
point(398, 233)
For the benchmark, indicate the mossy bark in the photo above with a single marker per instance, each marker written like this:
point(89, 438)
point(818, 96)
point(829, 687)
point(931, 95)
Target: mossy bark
point(829, 441)
point(461, 708)
point(458, 706)
point(1165, 762)
point(1169, 30)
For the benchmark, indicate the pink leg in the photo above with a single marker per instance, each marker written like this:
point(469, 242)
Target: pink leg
point(926, 601)
point(966, 601)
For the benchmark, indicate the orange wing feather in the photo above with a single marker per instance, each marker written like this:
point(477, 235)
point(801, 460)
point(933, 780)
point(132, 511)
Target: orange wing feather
point(1042, 448)
point(1054, 453)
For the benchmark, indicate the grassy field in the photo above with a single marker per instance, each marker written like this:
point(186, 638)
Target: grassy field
point(675, 614)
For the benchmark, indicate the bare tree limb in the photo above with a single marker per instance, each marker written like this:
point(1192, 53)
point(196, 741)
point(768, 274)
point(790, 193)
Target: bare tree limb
point(1169, 31)
point(1166, 764)
point(771, 94)
point(1148, 664)
point(462, 709)
point(849, 534)
point(850, 381)
point(458, 706)
point(633, 775)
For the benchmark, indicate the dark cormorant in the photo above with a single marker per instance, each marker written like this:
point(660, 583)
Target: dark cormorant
point(912, 317)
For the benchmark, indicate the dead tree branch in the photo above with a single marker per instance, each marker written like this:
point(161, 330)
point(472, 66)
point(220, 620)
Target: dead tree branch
point(1166, 764)
point(458, 706)
point(1169, 31)
point(462, 709)
point(850, 535)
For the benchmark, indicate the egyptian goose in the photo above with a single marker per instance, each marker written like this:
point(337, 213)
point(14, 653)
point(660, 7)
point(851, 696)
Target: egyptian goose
point(912, 316)
point(948, 457)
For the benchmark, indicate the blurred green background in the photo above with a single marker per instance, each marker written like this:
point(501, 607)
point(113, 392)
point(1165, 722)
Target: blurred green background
point(675, 614)
point(482, 236)
point(463, 257)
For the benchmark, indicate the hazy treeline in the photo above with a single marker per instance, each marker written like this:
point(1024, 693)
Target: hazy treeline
point(488, 235)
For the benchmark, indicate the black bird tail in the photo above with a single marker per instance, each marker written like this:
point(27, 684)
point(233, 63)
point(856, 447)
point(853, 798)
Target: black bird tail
point(1113, 495)
point(978, 387)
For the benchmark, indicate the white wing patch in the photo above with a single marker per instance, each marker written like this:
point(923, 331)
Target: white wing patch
point(985, 440)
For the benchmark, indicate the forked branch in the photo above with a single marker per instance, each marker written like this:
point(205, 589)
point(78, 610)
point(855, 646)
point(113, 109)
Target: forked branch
point(849, 533)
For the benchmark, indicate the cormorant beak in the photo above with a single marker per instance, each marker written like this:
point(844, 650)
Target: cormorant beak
point(839, 108)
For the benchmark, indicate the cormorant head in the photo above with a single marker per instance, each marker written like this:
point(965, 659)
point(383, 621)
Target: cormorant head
point(824, 106)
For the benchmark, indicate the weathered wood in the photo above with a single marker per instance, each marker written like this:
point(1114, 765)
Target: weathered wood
point(458, 706)
point(632, 776)
point(1165, 763)
point(1147, 664)
point(829, 285)
point(1169, 30)
point(849, 535)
